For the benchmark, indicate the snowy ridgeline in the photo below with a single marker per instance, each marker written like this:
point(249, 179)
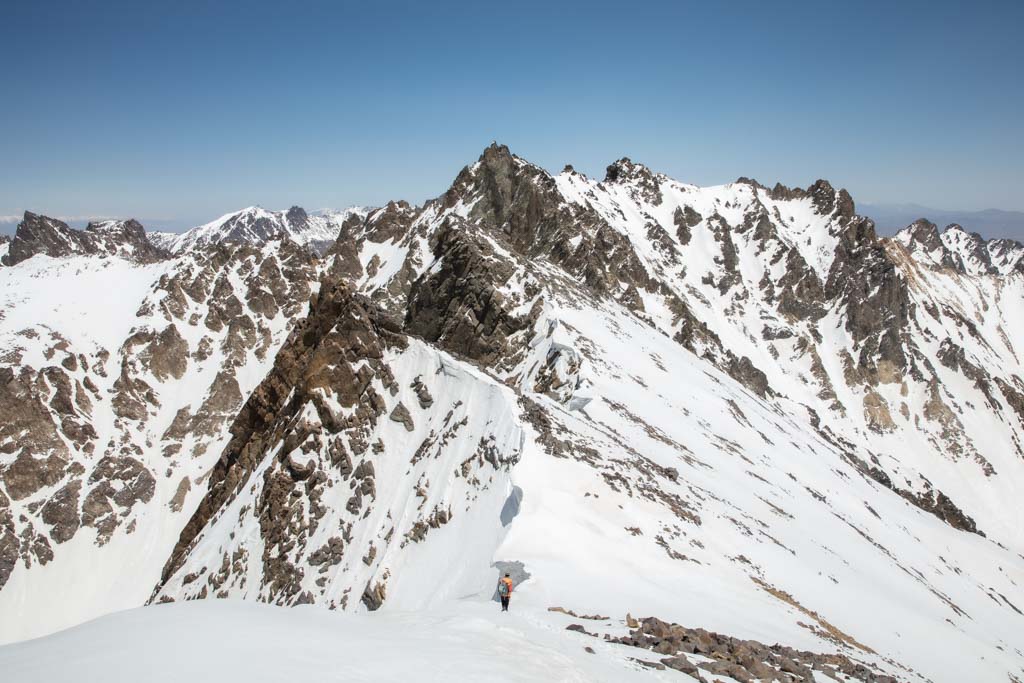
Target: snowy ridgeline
point(733, 408)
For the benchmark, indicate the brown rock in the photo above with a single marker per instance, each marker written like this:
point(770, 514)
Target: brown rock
point(401, 415)
point(61, 512)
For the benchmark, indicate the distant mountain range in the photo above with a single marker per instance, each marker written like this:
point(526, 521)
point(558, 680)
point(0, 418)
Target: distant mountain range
point(889, 219)
point(990, 223)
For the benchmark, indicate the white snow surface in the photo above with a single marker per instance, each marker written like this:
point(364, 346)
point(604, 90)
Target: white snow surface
point(163, 239)
point(227, 641)
point(256, 225)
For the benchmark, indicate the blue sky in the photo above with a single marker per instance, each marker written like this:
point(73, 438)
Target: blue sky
point(179, 112)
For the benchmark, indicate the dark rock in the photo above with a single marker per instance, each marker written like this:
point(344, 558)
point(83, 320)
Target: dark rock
point(742, 660)
point(422, 393)
point(458, 306)
point(401, 415)
point(924, 235)
point(343, 332)
point(61, 512)
point(681, 663)
point(373, 597)
point(685, 220)
point(746, 373)
point(42, 235)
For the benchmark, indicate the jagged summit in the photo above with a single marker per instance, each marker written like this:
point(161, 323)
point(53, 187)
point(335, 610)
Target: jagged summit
point(922, 237)
point(38, 234)
point(256, 225)
point(626, 170)
point(966, 252)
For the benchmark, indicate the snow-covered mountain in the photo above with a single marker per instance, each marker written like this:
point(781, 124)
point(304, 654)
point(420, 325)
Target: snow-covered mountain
point(118, 379)
point(255, 225)
point(42, 235)
point(995, 223)
point(966, 252)
point(731, 408)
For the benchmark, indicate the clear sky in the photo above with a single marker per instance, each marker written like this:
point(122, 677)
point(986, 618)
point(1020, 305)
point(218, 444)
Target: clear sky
point(178, 112)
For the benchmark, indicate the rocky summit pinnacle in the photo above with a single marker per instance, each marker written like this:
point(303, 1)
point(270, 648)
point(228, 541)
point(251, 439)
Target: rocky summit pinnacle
point(743, 396)
point(625, 169)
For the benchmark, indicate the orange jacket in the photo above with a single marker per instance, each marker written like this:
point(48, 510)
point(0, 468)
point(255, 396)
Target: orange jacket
point(508, 582)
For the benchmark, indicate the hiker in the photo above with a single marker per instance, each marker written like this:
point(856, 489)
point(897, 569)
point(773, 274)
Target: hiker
point(505, 591)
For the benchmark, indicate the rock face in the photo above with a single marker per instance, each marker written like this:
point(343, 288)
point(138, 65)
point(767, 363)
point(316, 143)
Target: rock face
point(459, 306)
point(743, 393)
point(922, 236)
point(742, 660)
point(322, 351)
point(315, 431)
point(41, 235)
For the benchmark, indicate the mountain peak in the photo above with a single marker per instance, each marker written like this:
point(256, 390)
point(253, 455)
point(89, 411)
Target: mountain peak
point(626, 169)
point(494, 152)
point(827, 199)
point(923, 227)
point(922, 239)
point(297, 217)
point(743, 180)
point(38, 234)
point(129, 226)
point(256, 225)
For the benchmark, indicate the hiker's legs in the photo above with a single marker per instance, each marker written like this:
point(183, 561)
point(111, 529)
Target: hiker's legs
point(504, 603)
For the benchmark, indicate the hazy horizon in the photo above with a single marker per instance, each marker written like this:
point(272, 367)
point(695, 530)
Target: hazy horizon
point(890, 216)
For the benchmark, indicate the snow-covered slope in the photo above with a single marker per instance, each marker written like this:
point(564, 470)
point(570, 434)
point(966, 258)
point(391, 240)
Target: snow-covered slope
point(256, 225)
point(734, 408)
point(966, 252)
point(163, 240)
point(235, 641)
point(116, 381)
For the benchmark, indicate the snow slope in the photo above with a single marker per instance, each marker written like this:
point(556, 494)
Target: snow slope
point(734, 408)
point(238, 641)
point(120, 387)
point(256, 225)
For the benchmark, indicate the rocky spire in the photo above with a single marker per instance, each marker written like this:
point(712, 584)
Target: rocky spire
point(297, 217)
point(828, 200)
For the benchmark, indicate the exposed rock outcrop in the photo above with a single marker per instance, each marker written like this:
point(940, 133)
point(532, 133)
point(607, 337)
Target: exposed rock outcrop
point(42, 235)
point(742, 660)
point(340, 345)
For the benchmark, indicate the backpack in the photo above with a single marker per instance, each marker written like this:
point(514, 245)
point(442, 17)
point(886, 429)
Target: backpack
point(503, 589)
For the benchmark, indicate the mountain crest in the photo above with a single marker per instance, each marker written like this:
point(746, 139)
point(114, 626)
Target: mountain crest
point(37, 234)
point(256, 225)
point(968, 253)
point(625, 169)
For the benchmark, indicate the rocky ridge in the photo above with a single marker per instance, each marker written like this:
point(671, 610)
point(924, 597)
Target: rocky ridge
point(746, 386)
point(42, 235)
point(965, 252)
point(255, 225)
